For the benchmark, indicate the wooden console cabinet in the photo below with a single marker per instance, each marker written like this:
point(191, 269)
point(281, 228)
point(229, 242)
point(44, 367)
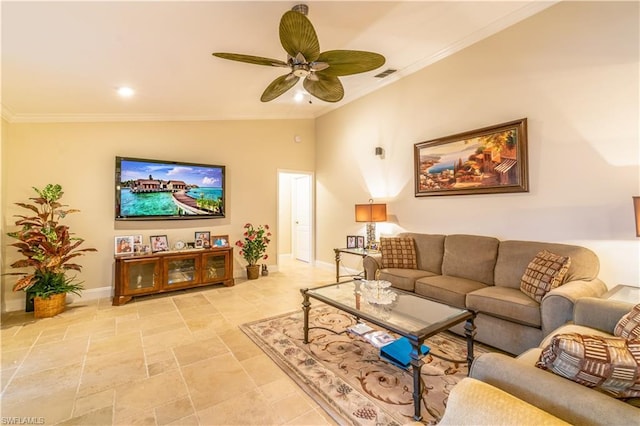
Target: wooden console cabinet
point(138, 275)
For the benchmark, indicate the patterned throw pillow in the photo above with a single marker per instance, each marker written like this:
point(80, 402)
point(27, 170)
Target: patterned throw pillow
point(544, 273)
point(629, 325)
point(398, 252)
point(609, 364)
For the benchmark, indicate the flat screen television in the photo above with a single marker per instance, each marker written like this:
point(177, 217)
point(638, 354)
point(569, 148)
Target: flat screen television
point(160, 190)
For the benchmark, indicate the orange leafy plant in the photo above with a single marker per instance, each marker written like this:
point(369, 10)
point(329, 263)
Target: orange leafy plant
point(47, 246)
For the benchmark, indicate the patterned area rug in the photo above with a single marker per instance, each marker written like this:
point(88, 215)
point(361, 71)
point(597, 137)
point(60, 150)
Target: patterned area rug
point(345, 375)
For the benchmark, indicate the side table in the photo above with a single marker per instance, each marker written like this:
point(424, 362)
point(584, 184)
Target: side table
point(625, 293)
point(353, 251)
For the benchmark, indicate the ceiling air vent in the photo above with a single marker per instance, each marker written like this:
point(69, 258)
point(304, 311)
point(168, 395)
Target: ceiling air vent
point(385, 73)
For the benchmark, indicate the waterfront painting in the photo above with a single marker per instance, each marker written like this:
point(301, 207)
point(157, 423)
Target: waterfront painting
point(154, 189)
point(488, 160)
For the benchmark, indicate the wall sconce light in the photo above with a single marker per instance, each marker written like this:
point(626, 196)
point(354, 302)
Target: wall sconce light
point(636, 209)
point(371, 213)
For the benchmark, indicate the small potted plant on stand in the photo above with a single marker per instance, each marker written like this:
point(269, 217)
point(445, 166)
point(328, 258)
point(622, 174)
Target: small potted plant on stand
point(48, 248)
point(253, 248)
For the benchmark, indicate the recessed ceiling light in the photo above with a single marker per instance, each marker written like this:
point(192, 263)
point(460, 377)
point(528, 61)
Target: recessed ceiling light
point(298, 97)
point(126, 92)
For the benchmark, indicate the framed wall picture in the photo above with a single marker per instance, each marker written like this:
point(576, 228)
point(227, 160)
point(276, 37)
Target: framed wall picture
point(203, 239)
point(124, 244)
point(359, 241)
point(159, 243)
point(351, 241)
point(220, 241)
point(483, 161)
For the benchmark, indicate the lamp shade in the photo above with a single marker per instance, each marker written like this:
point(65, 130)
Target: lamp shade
point(371, 212)
point(636, 210)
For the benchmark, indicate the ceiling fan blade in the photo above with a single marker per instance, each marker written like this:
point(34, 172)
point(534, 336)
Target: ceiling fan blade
point(258, 60)
point(298, 36)
point(347, 62)
point(325, 87)
point(279, 86)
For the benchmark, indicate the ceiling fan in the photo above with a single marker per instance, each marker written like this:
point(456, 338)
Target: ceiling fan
point(320, 71)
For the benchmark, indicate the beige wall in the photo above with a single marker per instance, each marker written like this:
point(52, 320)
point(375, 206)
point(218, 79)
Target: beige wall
point(81, 157)
point(572, 70)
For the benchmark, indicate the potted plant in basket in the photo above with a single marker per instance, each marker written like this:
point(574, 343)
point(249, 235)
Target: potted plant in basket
point(47, 247)
point(253, 247)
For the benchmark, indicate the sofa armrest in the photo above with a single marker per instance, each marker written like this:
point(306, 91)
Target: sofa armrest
point(371, 264)
point(557, 305)
point(556, 395)
point(472, 402)
point(601, 314)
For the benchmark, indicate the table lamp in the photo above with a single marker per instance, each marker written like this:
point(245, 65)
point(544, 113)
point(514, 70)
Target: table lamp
point(371, 213)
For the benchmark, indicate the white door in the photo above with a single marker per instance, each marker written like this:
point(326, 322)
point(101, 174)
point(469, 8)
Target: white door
point(301, 217)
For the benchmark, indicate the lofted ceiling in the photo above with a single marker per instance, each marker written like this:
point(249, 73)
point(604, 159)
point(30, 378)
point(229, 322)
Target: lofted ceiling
point(64, 61)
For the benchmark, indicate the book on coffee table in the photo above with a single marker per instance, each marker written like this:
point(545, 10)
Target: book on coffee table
point(379, 338)
point(399, 352)
point(360, 328)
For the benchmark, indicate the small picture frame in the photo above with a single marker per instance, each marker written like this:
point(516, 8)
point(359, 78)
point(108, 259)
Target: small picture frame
point(198, 244)
point(137, 243)
point(159, 243)
point(124, 244)
point(191, 245)
point(204, 237)
point(220, 241)
point(351, 241)
point(360, 241)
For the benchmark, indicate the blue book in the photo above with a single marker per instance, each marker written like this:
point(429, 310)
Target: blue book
point(399, 352)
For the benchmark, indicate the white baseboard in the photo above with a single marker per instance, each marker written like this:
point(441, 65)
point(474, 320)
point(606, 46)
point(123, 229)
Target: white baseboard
point(88, 294)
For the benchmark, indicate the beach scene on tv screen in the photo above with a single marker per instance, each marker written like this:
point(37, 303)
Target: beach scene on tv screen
point(165, 189)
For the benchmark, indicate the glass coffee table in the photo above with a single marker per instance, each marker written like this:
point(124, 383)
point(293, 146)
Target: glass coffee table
point(397, 311)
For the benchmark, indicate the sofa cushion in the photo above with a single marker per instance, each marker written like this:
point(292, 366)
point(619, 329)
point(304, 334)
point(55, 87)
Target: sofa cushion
point(470, 256)
point(398, 252)
point(429, 250)
point(609, 364)
point(629, 325)
point(544, 273)
point(451, 291)
point(514, 256)
point(404, 279)
point(506, 303)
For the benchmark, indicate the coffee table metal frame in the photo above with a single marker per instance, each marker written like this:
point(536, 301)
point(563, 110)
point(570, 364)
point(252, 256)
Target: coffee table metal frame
point(415, 337)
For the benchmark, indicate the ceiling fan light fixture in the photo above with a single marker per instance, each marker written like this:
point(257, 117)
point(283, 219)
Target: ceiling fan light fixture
point(318, 70)
point(301, 70)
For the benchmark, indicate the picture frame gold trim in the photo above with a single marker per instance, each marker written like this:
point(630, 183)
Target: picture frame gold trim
point(489, 160)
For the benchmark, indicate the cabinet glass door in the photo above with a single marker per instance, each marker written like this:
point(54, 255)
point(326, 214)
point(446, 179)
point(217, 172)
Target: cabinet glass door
point(215, 267)
point(141, 275)
point(181, 271)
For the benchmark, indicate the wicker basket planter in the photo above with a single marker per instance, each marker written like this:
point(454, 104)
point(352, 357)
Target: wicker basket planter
point(45, 308)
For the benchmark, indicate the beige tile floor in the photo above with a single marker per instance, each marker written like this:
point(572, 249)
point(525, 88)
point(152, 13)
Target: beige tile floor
point(176, 359)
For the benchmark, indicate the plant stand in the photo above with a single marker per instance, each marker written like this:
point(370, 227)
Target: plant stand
point(28, 301)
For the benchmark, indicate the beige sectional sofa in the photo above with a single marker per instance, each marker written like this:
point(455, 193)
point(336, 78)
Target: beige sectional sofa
point(483, 274)
point(505, 391)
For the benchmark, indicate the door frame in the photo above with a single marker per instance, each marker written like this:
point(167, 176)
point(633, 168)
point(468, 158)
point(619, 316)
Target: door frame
point(312, 223)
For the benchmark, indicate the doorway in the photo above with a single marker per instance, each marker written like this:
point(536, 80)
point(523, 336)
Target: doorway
point(295, 215)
